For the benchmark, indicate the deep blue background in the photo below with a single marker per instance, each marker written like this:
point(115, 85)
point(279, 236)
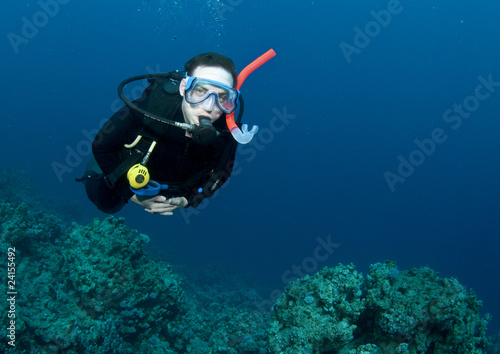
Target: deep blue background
point(323, 174)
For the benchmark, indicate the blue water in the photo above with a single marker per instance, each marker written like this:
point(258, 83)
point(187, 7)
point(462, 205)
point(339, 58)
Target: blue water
point(343, 103)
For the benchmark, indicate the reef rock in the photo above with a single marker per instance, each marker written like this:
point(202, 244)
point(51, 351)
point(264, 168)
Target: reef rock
point(88, 288)
point(336, 310)
point(93, 289)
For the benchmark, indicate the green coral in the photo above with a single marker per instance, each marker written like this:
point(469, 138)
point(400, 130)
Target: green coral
point(90, 288)
point(421, 309)
point(93, 289)
point(319, 312)
point(226, 309)
point(21, 225)
point(390, 311)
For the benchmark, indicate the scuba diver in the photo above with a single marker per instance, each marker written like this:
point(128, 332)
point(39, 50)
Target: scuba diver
point(174, 146)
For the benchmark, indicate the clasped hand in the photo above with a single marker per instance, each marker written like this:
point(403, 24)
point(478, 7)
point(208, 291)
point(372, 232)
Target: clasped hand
point(160, 205)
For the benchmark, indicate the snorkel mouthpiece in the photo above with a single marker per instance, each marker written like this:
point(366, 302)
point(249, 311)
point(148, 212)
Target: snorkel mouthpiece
point(243, 136)
point(205, 133)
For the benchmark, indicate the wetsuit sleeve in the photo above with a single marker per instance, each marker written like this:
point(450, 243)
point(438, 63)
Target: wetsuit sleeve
point(107, 148)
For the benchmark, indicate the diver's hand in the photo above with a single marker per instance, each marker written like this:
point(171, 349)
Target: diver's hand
point(160, 205)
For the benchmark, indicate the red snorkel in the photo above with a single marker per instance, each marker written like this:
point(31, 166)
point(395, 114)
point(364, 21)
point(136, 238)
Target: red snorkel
point(243, 136)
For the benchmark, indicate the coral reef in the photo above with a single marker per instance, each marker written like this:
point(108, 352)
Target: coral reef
point(318, 313)
point(94, 289)
point(88, 287)
point(391, 311)
point(226, 307)
point(423, 311)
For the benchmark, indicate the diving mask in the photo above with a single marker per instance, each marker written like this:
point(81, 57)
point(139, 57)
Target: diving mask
point(199, 90)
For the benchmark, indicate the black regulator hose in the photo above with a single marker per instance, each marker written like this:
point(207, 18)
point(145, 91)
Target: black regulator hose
point(145, 113)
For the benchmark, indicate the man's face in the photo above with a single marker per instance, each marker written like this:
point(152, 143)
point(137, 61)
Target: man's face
point(207, 108)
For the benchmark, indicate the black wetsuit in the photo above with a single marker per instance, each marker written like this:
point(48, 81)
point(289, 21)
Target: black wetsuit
point(176, 160)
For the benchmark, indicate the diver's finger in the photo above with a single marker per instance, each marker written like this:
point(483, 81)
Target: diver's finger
point(156, 212)
point(160, 199)
point(163, 207)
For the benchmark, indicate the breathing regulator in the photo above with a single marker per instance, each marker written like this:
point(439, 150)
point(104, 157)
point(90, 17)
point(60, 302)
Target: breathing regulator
point(138, 175)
